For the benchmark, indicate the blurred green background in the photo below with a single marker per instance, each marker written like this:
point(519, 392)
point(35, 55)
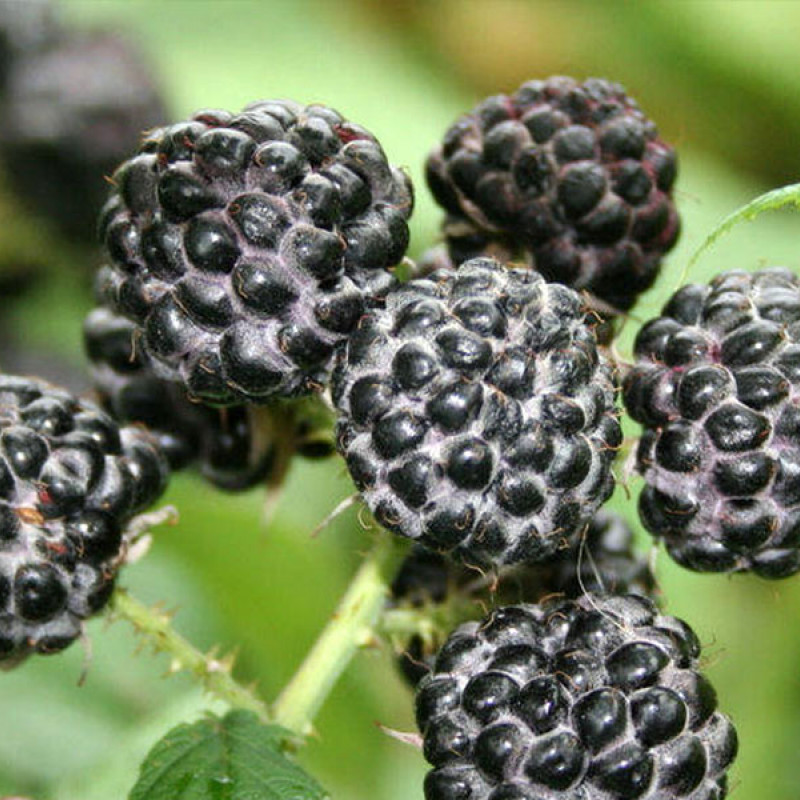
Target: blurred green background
point(721, 80)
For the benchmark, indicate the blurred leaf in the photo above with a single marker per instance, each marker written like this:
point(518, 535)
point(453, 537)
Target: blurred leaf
point(235, 757)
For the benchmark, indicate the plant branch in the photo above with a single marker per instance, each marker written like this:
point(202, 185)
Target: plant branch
point(155, 626)
point(353, 625)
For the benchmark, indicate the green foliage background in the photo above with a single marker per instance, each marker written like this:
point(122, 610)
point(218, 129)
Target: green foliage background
point(719, 78)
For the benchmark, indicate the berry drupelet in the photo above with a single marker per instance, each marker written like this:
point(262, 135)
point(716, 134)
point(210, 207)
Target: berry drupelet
point(477, 415)
point(70, 481)
point(569, 176)
point(246, 246)
point(597, 698)
point(714, 387)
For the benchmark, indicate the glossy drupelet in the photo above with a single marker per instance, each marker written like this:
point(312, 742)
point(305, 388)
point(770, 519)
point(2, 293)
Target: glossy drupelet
point(715, 386)
point(74, 107)
point(246, 246)
point(569, 176)
point(597, 698)
point(70, 481)
point(220, 442)
point(477, 415)
point(604, 560)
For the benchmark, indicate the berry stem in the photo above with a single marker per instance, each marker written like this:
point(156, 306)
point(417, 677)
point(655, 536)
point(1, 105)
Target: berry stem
point(432, 621)
point(214, 673)
point(353, 625)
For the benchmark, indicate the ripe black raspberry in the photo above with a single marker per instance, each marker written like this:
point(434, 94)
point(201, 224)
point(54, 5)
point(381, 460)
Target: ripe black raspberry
point(234, 448)
point(70, 481)
point(596, 698)
point(73, 110)
point(604, 561)
point(221, 442)
point(247, 246)
point(477, 415)
point(571, 176)
point(715, 388)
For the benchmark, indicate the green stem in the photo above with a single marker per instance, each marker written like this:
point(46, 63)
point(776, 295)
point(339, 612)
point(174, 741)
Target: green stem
point(403, 623)
point(352, 626)
point(430, 621)
point(215, 674)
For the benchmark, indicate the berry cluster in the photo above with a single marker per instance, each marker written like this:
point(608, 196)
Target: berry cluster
point(569, 176)
point(714, 387)
point(247, 246)
point(249, 261)
point(477, 414)
point(597, 697)
point(70, 480)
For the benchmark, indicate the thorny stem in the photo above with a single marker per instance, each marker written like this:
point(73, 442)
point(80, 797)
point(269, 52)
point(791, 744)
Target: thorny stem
point(215, 674)
point(352, 626)
point(356, 623)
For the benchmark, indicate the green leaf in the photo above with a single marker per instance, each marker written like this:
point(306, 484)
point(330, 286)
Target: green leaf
point(777, 198)
point(235, 757)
